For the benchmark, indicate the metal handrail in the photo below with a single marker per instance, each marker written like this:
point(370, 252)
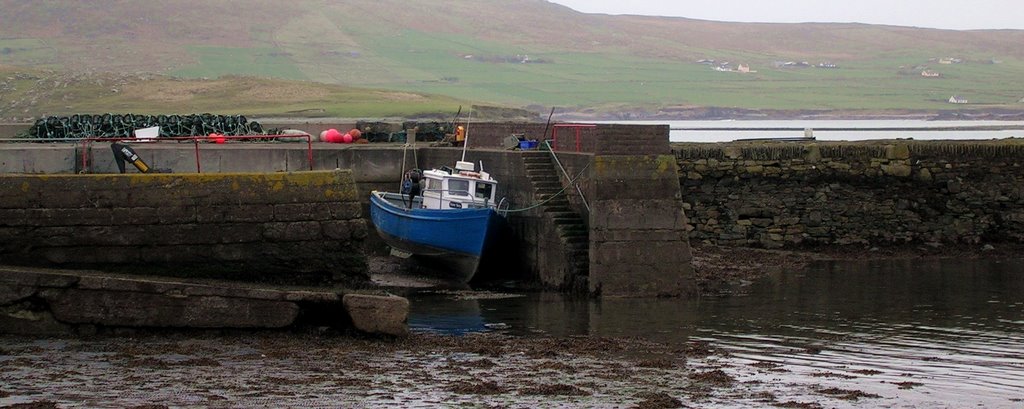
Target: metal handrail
point(567, 177)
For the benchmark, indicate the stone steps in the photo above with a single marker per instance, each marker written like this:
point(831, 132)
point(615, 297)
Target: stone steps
point(571, 228)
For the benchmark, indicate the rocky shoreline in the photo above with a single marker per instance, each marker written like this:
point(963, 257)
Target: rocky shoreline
point(317, 367)
point(478, 370)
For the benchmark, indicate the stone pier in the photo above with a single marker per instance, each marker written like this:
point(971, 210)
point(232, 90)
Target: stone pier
point(639, 245)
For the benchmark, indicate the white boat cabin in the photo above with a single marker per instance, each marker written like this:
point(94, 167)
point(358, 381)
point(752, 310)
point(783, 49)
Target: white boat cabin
point(459, 188)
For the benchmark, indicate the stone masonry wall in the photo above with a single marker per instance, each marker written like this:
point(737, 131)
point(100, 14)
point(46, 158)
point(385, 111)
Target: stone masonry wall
point(275, 227)
point(777, 195)
point(638, 241)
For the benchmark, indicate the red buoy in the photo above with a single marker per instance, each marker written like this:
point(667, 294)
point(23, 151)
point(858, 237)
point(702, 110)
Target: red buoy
point(333, 136)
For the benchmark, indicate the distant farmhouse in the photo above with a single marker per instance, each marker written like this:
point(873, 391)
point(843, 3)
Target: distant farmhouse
point(828, 65)
point(956, 99)
point(930, 74)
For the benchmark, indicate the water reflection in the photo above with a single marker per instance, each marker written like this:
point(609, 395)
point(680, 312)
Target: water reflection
point(448, 316)
point(880, 296)
point(956, 328)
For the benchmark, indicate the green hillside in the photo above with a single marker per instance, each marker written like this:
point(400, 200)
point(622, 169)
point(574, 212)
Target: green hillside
point(32, 93)
point(523, 53)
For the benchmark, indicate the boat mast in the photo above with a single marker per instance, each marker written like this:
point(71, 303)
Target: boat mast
point(466, 142)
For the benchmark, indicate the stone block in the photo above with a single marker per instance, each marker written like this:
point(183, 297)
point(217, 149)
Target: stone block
point(336, 230)
point(639, 214)
point(345, 210)
point(233, 213)
point(295, 212)
point(624, 280)
point(900, 151)
point(10, 294)
point(130, 309)
point(381, 315)
point(171, 214)
point(286, 232)
point(812, 153)
point(898, 169)
point(20, 277)
point(605, 235)
point(24, 321)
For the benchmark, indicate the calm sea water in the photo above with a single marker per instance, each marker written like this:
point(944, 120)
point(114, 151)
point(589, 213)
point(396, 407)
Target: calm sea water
point(953, 330)
point(832, 130)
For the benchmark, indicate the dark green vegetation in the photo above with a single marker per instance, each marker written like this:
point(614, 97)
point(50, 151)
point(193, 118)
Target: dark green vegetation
point(513, 53)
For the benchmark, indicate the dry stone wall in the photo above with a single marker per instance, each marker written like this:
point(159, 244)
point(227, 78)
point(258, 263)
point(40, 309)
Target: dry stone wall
point(789, 195)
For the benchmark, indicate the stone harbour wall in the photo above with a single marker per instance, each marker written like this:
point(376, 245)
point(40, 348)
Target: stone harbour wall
point(287, 227)
point(777, 195)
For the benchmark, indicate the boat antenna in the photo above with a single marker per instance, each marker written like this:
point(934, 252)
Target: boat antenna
point(466, 142)
point(401, 177)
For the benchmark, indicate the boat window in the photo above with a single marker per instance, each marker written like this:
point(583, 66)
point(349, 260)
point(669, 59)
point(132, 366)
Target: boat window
point(428, 184)
point(483, 191)
point(458, 187)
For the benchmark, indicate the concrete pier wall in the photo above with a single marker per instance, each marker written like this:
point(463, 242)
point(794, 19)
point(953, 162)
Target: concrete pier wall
point(638, 240)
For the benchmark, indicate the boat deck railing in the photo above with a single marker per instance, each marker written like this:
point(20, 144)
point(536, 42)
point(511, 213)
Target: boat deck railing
point(486, 203)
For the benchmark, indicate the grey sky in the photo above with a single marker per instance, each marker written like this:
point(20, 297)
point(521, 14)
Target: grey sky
point(947, 14)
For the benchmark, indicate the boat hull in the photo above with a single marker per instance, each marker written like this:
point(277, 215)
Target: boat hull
point(451, 241)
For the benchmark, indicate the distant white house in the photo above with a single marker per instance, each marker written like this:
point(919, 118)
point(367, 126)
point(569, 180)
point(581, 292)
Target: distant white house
point(744, 68)
point(828, 65)
point(956, 99)
point(930, 74)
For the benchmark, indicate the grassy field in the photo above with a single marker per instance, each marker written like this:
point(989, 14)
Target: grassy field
point(214, 62)
point(453, 47)
point(595, 79)
point(27, 51)
point(49, 93)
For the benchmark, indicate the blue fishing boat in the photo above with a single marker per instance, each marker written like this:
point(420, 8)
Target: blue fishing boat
point(449, 224)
